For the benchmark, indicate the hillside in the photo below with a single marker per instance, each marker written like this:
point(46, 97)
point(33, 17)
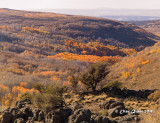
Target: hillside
point(139, 71)
point(52, 61)
point(43, 28)
point(151, 26)
point(49, 47)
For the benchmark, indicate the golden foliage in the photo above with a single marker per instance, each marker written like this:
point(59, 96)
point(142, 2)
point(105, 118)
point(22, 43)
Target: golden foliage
point(86, 58)
point(10, 96)
point(34, 30)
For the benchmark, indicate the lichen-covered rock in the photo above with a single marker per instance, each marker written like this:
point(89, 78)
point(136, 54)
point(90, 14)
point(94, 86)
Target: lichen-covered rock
point(6, 117)
point(41, 116)
point(23, 103)
point(19, 120)
point(106, 104)
point(76, 106)
point(56, 116)
point(80, 115)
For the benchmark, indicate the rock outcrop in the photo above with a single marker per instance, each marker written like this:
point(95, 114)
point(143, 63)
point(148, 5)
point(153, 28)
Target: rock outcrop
point(24, 112)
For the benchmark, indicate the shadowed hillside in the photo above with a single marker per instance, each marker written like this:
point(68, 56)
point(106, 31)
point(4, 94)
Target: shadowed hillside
point(54, 28)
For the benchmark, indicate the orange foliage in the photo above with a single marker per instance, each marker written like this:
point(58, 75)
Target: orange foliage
point(7, 96)
point(5, 27)
point(34, 30)
point(86, 58)
point(96, 48)
point(23, 84)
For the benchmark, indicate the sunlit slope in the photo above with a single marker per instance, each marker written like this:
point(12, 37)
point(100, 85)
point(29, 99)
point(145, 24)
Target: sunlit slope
point(139, 71)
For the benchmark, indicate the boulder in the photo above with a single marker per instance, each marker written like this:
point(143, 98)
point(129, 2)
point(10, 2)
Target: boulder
point(76, 106)
point(41, 116)
point(6, 117)
point(23, 103)
point(36, 114)
point(127, 118)
point(56, 116)
point(115, 104)
point(80, 115)
point(27, 112)
point(99, 119)
point(19, 120)
point(106, 104)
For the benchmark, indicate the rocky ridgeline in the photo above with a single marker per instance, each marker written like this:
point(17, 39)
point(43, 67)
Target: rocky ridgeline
point(24, 112)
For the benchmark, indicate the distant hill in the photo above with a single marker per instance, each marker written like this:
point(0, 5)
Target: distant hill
point(150, 26)
point(38, 27)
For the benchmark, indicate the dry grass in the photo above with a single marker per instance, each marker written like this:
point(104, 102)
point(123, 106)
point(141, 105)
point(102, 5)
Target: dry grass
point(139, 71)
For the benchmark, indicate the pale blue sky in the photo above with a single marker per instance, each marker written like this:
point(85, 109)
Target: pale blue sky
point(80, 4)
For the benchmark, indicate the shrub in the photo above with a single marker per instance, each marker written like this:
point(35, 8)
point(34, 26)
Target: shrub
point(116, 84)
point(94, 74)
point(26, 96)
point(50, 97)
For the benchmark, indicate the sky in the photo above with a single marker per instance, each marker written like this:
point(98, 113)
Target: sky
point(80, 4)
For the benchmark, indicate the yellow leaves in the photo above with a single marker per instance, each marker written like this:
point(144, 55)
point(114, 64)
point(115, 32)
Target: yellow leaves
point(127, 74)
point(138, 69)
point(5, 27)
point(34, 30)
point(158, 50)
point(151, 52)
point(145, 62)
point(23, 84)
point(86, 58)
point(7, 96)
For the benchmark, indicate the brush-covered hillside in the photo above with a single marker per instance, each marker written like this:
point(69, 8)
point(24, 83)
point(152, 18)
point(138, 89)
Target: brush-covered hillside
point(47, 30)
point(140, 70)
point(48, 47)
point(57, 64)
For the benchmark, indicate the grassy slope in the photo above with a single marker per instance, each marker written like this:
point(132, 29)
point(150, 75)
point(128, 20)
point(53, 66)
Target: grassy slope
point(139, 71)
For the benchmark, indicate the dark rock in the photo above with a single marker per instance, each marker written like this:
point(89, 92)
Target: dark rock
point(23, 103)
point(80, 115)
point(30, 120)
point(76, 106)
point(99, 119)
point(36, 114)
point(115, 104)
point(67, 112)
point(6, 117)
point(128, 118)
point(41, 116)
point(19, 120)
point(56, 116)
point(105, 120)
point(106, 104)
point(16, 114)
point(27, 112)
